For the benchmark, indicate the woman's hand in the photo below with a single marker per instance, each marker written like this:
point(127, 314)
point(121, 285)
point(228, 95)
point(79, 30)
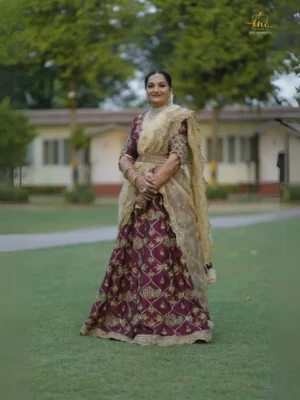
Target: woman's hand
point(151, 183)
point(141, 204)
point(162, 174)
point(144, 188)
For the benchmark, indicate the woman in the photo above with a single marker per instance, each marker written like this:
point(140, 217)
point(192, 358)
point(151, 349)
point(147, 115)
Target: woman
point(154, 289)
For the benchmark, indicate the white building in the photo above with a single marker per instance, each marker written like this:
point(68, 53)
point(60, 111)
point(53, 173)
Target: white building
point(249, 143)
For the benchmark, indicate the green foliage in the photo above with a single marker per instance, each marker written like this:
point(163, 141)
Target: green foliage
point(45, 189)
point(15, 195)
point(214, 57)
point(82, 194)
point(15, 135)
point(86, 41)
point(292, 193)
point(40, 88)
point(287, 40)
point(11, 34)
point(78, 138)
point(217, 193)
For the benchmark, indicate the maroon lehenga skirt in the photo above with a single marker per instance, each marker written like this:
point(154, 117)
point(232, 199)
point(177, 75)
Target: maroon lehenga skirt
point(147, 295)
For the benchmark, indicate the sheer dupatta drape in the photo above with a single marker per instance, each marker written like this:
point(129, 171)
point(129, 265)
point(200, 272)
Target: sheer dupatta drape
point(184, 193)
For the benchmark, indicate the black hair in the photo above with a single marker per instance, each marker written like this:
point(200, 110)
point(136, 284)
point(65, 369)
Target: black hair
point(162, 72)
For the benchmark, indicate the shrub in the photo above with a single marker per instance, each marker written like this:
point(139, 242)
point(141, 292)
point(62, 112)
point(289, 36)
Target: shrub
point(45, 189)
point(292, 193)
point(232, 189)
point(217, 192)
point(81, 194)
point(14, 194)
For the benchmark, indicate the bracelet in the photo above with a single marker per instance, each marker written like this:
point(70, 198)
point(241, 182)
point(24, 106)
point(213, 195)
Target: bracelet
point(131, 174)
point(127, 169)
point(133, 171)
point(133, 178)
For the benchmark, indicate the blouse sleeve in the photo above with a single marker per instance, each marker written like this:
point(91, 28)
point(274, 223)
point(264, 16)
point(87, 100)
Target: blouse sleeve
point(130, 146)
point(179, 143)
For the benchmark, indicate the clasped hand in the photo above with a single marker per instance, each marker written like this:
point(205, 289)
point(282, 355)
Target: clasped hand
point(147, 186)
point(148, 189)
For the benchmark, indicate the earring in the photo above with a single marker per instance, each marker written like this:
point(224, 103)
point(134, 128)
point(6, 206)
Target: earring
point(170, 100)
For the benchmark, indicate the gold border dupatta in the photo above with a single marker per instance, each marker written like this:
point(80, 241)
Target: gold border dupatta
point(184, 193)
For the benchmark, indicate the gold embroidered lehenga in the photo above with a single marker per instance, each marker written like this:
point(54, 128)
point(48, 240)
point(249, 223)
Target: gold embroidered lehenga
point(155, 287)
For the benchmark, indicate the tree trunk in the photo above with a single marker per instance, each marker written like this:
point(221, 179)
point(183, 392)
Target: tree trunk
point(214, 160)
point(12, 173)
point(20, 176)
point(72, 124)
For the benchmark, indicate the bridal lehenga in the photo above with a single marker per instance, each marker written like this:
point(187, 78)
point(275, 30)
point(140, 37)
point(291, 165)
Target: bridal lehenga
point(155, 287)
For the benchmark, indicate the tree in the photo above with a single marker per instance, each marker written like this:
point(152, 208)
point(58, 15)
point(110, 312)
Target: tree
point(287, 41)
point(215, 61)
point(11, 35)
point(86, 42)
point(15, 135)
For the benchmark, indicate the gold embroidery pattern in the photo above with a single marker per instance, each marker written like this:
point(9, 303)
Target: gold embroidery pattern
point(158, 296)
point(184, 196)
point(178, 145)
point(205, 335)
point(174, 296)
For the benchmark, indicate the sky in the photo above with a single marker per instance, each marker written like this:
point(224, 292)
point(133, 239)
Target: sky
point(287, 87)
point(286, 84)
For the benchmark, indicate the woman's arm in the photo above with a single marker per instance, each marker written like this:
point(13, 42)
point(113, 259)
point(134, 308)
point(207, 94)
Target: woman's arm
point(169, 168)
point(127, 159)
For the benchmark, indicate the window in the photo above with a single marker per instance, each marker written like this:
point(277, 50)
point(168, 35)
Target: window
point(56, 152)
point(30, 154)
point(46, 152)
point(209, 149)
point(231, 149)
point(66, 152)
point(244, 150)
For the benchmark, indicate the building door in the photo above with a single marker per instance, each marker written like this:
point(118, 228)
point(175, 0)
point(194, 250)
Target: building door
point(270, 144)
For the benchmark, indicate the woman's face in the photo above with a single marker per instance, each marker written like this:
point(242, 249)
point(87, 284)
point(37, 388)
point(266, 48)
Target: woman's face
point(158, 90)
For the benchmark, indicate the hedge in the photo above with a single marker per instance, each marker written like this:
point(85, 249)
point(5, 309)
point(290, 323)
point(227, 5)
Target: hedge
point(292, 193)
point(217, 192)
point(45, 189)
point(82, 195)
point(14, 194)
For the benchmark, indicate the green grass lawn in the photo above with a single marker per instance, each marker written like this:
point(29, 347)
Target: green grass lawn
point(23, 219)
point(36, 220)
point(53, 290)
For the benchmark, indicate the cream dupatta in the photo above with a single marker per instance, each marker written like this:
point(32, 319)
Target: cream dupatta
point(184, 193)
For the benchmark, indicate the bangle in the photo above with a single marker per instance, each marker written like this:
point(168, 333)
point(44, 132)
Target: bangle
point(131, 174)
point(126, 170)
point(133, 178)
point(133, 171)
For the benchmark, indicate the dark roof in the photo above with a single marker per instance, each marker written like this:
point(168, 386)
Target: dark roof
point(292, 128)
point(95, 116)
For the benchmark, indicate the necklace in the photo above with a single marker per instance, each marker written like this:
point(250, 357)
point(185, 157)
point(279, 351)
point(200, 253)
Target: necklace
point(153, 112)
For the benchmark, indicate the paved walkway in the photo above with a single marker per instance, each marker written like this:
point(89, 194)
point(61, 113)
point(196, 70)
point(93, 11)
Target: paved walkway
point(93, 235)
